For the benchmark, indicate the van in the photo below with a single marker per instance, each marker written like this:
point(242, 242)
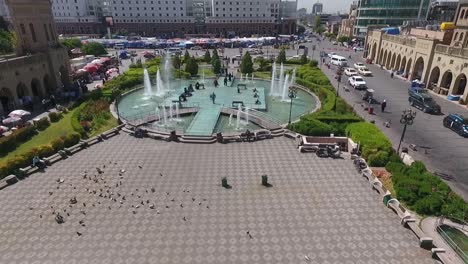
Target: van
point(339, 61)
point(173, 51)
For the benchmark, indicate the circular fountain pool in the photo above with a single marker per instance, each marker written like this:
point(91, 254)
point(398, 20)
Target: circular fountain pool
point(199, 115)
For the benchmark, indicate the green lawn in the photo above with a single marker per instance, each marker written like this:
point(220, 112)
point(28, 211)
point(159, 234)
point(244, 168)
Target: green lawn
point(109, 124)
point(264, 75)
point(55, 130)
point(208, 72)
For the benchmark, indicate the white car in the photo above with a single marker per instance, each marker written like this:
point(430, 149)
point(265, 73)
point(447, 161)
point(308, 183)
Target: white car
point(334, 43)
point(350, 72)
point(364, 71)
point(357, 82)
point(358, 65)
point(331, 54)
point(358, 48)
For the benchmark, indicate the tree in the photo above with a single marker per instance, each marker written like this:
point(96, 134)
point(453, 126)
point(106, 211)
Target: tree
point(215, 56)
point(176, 61)
point(246, 64)
point(71, 43)
point(318, 28)
point(186, 56)
point(192, 66)
point(343, 39)
point(216, 66)
point(281, 56)
point(304, 59)
point(6, 42)
point(94, 48)
point(207, 57)
point(262, 64)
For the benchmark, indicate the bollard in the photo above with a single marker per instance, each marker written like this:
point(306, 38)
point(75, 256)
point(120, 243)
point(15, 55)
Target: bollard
point(225, 184)
point(265, 181)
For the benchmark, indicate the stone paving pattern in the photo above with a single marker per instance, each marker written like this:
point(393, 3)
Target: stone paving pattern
point(318, 208)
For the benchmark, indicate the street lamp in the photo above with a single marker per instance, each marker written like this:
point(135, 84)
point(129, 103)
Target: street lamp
point(407, 118)
point(339, 72)
point(292, 93)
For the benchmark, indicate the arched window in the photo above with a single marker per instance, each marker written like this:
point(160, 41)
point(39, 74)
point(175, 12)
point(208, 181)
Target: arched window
point(461, 37)
point(466, 14)
point(33, 33)
point(462, 14)
point(456, 36)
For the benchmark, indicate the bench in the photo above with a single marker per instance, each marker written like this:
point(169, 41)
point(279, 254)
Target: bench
point(92, 140)
point(8, 180)
point(158, 136)
point(227, 139)
point(262, 134)
point(308, 148)
point(56, 157)
point(110, 133)
point(75, 148)
point(28, 170)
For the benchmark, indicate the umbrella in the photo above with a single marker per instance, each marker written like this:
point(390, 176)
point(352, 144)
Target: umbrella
point(19, 113)
point(11, 120)
point(3, 129)
point(105, 59)
point(96, 61)
point(81, 71)
point(111, 71)
point(91, 68)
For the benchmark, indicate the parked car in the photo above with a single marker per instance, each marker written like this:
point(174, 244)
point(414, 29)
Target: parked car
point(334, 43)
point(196, 48)
point(424, 102)
point(358, 48)
point(350, 72)
point(358, 65)
point(357, 82)
point(331, 54)
point(457, 123)
point(364, 71)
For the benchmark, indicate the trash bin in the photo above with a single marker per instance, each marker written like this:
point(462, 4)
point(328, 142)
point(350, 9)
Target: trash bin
point(370, 110)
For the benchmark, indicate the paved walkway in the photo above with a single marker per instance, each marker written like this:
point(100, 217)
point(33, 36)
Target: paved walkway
point(320, 208)
point(205, 121)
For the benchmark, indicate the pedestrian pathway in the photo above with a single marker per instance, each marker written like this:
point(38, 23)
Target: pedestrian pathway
point(205, 121)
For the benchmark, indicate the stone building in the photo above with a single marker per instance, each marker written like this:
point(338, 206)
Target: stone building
point(438, 58)
point(40, 65)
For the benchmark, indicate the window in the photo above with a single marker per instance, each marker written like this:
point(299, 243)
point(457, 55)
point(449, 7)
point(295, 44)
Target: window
point(23, 29)
point(462, 14)
point(33, 33)
point(461, 37)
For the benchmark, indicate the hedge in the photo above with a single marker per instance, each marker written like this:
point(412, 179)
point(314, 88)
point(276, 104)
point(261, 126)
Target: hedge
point(311, 127)
point(24, 160)
point(55, 117)
point(375, 146)
point(10, 142)
point(424, 192)
point(42, 124)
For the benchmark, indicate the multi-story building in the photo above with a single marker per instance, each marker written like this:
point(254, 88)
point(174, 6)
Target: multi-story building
point(41, 65)
point(347, 24)
point(388, 13)
point(176, 17)
point(442, 11)
point(317, 8)
point(437, 57)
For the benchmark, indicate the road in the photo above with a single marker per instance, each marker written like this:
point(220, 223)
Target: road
point(442, 150)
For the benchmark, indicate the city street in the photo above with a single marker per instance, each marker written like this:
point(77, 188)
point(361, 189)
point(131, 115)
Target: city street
point(443, 151)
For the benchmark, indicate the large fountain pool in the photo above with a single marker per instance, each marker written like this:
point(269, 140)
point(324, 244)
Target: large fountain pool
point(138, 105)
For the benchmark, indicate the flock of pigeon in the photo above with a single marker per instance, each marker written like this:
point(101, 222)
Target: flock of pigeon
point(108, 194)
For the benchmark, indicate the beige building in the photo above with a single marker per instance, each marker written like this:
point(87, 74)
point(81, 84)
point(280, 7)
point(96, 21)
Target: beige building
point(438, 58)
point(40, 65)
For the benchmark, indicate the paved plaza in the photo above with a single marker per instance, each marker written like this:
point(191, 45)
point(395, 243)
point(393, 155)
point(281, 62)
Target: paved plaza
point(159, 202)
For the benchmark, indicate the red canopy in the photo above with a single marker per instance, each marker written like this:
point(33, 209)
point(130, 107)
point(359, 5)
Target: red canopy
point(105, 59)
point(91, 68)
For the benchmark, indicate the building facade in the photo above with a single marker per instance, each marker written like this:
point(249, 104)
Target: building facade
point(438, 58)
point(317, 8)
point(347, 24)
point(41, 65)
point(170, 18)
point(388, 13)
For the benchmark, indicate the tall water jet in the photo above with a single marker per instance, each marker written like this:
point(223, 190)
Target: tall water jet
point(230, 119)
point(285, 88)
point(170, 112)
point(164, 114)
point(293, 77)
point(239, 110)
point(273, 79)
point(203, 77)
point(147, 82)
point(177, 111)
point(278, 91)
point(159, 84)
point(246, 115)
point(167, 70)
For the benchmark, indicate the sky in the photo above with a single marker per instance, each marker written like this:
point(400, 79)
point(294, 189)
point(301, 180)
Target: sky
point(329, 6)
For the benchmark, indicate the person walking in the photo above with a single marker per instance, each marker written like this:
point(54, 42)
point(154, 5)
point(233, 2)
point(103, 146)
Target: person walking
point(213, 97)
point(225, 81)
point(383, 105)
point(392, 74)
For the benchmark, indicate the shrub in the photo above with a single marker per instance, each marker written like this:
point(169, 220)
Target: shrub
point(75, 123)
point(43, 151)
point(55, 117)
point(71, 139)
point(42, 124)
point(18, 136)
point(313, 63)
point(370, 138)
point(57, 144)
point(378, 159)
point(311, 127)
